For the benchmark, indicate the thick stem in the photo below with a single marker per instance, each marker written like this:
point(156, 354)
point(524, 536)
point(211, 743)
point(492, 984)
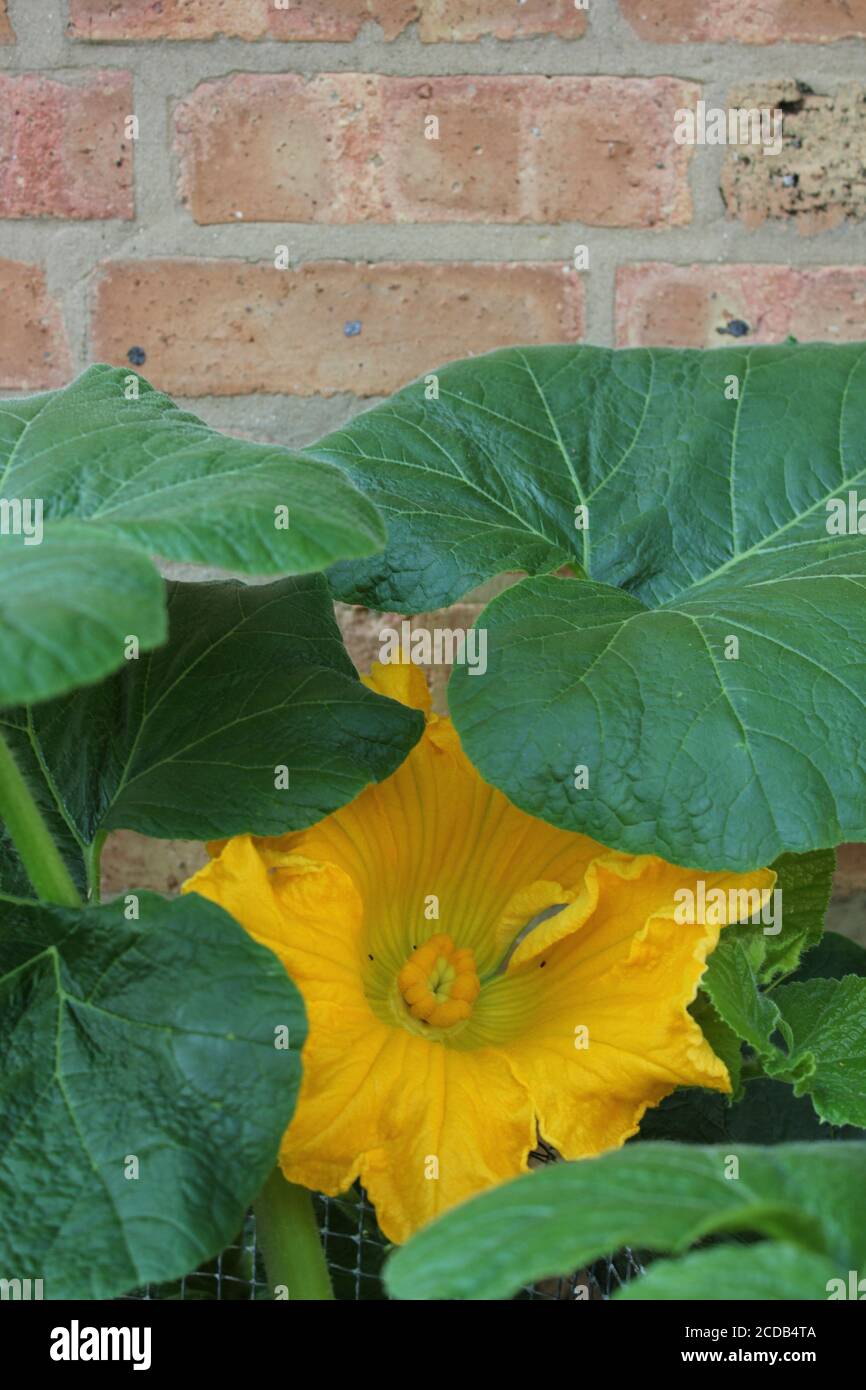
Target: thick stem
point(39, 854)
point(288, 1234)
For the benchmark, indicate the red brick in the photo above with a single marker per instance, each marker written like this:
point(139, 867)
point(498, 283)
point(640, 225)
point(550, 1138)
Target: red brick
point(340, 23)
point(167, 19)
point(746, 21)
point(337, 22)
point(665, 305)
point(351, 147)
point(34, 352)
point(227, 328)
point(279, 148)
point(62, 146)
point(7, 34)
point(240, 19)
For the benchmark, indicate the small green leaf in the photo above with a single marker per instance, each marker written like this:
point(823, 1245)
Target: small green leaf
point(751, 954)
point(119, 479)
point(732, 986)
point(826, 1059)
point(810, 1034)
point(659, 1197)
point(150, 1040)
point(805, 882)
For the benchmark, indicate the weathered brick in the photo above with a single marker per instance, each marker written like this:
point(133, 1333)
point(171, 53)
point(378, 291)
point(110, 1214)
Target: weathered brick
point(352, 147)
point(105, 20)
point(460, 21)
point(227, 327)
point(309, 20)
point(716, 305)
point(34, 352)
point(240, 19)
point(62, 146)
point(816, 180)
point(746, 21)
point(7, 34)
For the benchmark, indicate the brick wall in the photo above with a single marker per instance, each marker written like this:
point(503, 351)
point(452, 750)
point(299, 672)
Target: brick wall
point(275, 239)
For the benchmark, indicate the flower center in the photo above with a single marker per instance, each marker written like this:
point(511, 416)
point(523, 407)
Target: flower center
point(438, 983)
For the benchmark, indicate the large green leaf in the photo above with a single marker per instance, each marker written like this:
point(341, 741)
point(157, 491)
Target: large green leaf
point(187, 741)
point(120, 479)
point(659, 1197)
point(159, 1040)
point(768, 1271)
point(707, 521)
point(65, 607)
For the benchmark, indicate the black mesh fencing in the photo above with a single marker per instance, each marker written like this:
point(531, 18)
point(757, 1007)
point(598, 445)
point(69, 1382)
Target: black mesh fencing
point(356, 1251)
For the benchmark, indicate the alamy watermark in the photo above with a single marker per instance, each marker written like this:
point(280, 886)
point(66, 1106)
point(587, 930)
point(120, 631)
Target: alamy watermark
point(21, 1289)
point(716, 906)
point(22, 516)
point(441, 646)
point(846, 516)
point(77, 1343)
point(738, 125)
point(854, 1288)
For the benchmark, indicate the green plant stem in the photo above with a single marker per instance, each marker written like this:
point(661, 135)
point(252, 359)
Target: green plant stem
point(94, 867)
point(288, 1234)
point(30, 836)
point(751, 1069)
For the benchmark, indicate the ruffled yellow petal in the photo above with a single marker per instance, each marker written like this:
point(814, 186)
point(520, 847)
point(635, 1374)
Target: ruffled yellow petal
point(529, 902)
point(621, 893)
point(597, 1025)
point(338, 1115)
point(456, 1123)
point(562, 911)
point(310, 915)
point(595, 1066)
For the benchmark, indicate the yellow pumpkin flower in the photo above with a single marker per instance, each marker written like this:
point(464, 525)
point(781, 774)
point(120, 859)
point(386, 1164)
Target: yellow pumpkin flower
point(443, 1039)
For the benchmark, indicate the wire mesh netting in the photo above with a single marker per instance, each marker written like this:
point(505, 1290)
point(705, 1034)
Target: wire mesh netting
point(356, 1251)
